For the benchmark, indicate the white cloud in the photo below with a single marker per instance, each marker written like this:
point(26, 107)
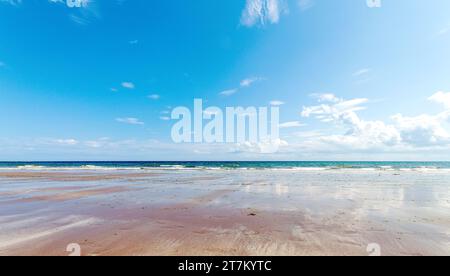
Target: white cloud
point(86, 14)
point(414, 132)
point(277, 103)
point(94, 144)
point(360, 133)
point(68, 142)
point(305, 4)
point(443, 31)
point(165, 118)
point(261, 12)
point(291, 124)
point(245, 83)
point(130, 121)
point(228, 92)
point(337, 110)
point(426, 130)
point(11, 2)
point(326, 97)
point(362, 72)
point(154, 97)
point(441, 98)
point(128, 85)
point(101, 143)
point(249, 81)
point(79, 20)
point(268, 146)
point(423, 130)
point(363, 135)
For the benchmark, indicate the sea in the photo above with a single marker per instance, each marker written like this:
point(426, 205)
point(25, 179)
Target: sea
point(226, 165)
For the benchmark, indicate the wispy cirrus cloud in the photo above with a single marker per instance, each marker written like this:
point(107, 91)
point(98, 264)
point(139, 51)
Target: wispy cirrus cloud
point(82, 13)
point(443, 31)
point(67, 142)
point(361, 72)
point(245, 83)
point(128, 85)
point(291, 124)
point(362, 75)
point(305, 4)
point(11, 2)
point(277, 103)
point(337, 111)
point(80, 20)
point(261, 12)
point(326, 97)
point(154, 97)
point(130, 121)
point(229, 92)
point(57, 1)
point(250, 81)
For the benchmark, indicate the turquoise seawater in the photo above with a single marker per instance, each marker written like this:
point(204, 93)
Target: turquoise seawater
point(229, 165)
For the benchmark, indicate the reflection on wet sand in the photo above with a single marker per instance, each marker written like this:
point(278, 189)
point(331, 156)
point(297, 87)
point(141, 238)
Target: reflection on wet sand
point(224, 212)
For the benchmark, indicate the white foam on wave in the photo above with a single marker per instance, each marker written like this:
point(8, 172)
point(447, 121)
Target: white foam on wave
point(105, 168)
point(31, 167)
point(301, 169)
point(80, 168)
point(216, 168)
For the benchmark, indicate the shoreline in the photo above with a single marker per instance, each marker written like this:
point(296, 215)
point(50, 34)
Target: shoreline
point(224, 212)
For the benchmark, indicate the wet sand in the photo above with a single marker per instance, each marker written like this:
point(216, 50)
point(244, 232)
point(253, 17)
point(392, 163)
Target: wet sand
point(224, 212)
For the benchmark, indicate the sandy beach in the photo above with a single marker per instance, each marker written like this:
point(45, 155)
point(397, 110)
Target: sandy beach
point(224, 212)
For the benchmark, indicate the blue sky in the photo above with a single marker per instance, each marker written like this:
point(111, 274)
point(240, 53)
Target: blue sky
point(98, 82)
